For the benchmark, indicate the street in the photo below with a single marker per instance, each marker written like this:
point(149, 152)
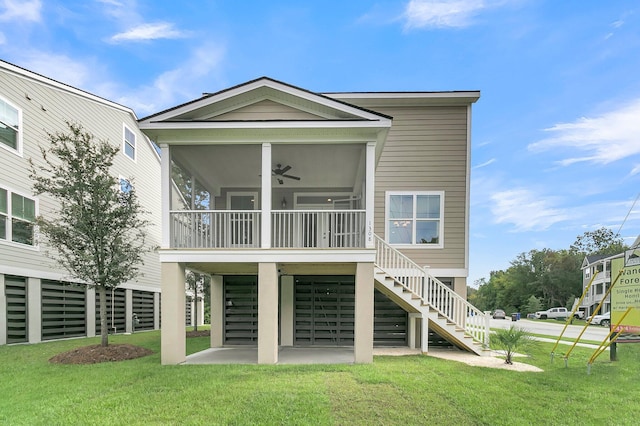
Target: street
point(554, 328)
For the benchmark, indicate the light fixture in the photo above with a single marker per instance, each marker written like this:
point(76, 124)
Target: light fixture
point(284, 203)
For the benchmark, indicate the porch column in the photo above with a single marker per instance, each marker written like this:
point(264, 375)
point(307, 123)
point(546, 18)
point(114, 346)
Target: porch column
point(34, 309)
point(286, 310)
point(217, 311)
point(424, 334)
point(265, 225)
point(369, 193)
point(411, 329)
point(165, 195)
point(363, 327)
point(267, 313)
point(3, 311)
point(173, 349)
point(91, 312)
point(460, 286)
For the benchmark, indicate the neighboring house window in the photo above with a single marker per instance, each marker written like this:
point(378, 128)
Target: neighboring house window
point(129, 143)
point(125, 185)
point(17, 217)
point(10, 126)
point(415, 218)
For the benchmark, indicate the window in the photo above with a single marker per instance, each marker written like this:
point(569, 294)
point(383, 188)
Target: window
point(10, 126)
point(17, 217)
point(129, 143)
point(415, 218)
point(125, 185)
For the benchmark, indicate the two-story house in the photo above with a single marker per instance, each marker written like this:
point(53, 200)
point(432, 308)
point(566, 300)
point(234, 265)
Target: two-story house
point(336, 219)
point(38, 300)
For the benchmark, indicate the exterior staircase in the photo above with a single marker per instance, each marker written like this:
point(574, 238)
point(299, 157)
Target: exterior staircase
point(441, 309)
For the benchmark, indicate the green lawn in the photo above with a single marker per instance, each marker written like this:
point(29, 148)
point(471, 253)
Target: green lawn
point(413, 390)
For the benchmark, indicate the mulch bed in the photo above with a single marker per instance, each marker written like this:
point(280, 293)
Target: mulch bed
point(96, 353)
point(113, 352)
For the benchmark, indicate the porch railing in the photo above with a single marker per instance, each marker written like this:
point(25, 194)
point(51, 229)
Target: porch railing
point(220, 229)
point(318, 229)
point(215, 229)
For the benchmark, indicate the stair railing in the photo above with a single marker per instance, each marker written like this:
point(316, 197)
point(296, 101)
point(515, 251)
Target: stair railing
point(432, 291)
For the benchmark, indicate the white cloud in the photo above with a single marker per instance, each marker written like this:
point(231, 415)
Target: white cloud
point(26, 10)
point(173, 86)
point(525, 210)
point(635, 170)
point(149, 32)
point(485, 164)
point(445, 13)
point(604, 139)
point(60, 67)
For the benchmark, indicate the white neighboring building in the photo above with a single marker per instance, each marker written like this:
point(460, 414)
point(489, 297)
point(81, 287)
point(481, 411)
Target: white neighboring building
point(36, 303)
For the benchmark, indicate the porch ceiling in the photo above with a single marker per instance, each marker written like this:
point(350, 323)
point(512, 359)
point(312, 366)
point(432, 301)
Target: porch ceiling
point(239, 166)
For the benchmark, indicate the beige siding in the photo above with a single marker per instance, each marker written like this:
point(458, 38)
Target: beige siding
point(426, 150)
point(266, 110)
point(45, 108)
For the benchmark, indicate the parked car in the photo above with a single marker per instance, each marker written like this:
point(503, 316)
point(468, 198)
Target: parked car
point(603, 320)
point(554, 313)
point(499, 314)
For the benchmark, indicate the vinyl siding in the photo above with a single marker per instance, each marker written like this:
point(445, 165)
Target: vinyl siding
point(426, 150)
point(266, 110)
point(47, 110)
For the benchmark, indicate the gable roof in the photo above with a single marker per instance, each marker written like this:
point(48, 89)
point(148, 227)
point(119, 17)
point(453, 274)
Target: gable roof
point(211, 105)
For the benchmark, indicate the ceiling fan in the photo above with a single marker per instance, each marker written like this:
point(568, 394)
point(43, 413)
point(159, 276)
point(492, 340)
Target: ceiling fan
point(280, 172)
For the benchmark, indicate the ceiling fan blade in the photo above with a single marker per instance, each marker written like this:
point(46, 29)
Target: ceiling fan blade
point(285, 169)
point(291, 177)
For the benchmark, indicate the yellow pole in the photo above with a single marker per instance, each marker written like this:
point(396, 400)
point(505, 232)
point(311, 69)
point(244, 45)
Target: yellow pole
point(566, 324)
point(607, 340)
point(566, 356)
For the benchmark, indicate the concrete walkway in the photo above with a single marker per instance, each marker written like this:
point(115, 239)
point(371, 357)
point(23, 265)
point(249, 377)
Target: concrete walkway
point(286, 355)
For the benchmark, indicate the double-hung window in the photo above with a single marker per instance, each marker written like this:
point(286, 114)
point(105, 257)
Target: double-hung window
point(17, 217)
point(415, 218)
point(129, 143)
point(10, 127)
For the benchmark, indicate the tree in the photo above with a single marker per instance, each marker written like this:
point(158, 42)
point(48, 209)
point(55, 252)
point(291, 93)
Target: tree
point(510, 340)
point(601, 241)
point(533, 305)
point(197, 283)
point(98, 231)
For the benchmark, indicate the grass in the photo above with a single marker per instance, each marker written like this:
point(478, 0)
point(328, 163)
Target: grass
point(412, 390)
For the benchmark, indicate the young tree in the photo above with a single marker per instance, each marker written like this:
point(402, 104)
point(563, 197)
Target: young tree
point(510, 340)
point(98, 231)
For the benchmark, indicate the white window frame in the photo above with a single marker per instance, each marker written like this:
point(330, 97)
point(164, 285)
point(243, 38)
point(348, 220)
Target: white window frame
point(18, 149)
point(414, 194)
point(8, 217)
point(126, 143)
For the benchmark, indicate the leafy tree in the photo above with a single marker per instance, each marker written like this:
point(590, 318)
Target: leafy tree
point(97, 231)
point(511, 339)
point(197, 283)
point(533, 305)
point(601, 241)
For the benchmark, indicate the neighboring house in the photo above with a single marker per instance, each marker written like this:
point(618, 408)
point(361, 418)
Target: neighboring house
point(596, 269)
point(37, 301)
point(337, 219)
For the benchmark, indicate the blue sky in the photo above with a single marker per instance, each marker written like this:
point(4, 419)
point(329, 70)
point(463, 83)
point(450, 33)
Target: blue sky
point(556, 132)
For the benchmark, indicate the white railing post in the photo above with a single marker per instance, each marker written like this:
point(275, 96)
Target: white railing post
point(487, 326)
point(265, 237)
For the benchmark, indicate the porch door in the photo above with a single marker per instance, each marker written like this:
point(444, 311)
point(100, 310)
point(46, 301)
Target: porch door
point(324, 310)
point(241, 231)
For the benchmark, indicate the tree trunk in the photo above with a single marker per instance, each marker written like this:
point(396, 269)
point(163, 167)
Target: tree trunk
point(104, 331)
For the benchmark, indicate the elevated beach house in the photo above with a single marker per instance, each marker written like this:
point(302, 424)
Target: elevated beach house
point(335, 219)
